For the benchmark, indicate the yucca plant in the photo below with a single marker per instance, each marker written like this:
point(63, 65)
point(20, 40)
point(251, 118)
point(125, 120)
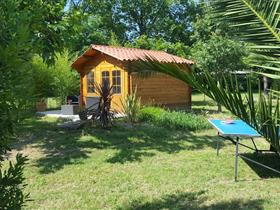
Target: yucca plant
point(131, 106)
point(104, 113)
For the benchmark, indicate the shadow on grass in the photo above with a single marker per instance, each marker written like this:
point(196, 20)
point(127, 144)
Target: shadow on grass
point(192, 201)
point(62, 147)
point(203, 103)
point(139, 141)
point(58, 147)
point(270, 159)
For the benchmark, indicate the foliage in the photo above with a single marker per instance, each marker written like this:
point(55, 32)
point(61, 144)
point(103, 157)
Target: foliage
point(12, 185)
point(42, 78)
point(44, 21)
point(219, 55)
point(57, 80)
point(15, 93)
point(27, 27)
point(85, 29)
point(205, 26)
point(104, 113)
point(65, 80)
point(144, 42)
point(258, 23)
point(131, 106)
point(96, 21)
point(173, 119)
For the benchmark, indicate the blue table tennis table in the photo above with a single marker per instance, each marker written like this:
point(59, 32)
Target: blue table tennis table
point(235, 131)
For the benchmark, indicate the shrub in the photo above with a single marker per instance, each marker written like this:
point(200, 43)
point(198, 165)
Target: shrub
point(173, 119)
point(131, 106)
point(12, 185)
point(57, 80)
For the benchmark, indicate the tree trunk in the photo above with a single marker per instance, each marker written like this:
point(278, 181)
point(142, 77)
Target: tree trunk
point(219, 107)
point(218, 104)
point(265, 85)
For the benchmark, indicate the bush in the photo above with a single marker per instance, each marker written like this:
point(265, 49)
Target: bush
point(12, 185)
point(57, 80)
point(173, 119)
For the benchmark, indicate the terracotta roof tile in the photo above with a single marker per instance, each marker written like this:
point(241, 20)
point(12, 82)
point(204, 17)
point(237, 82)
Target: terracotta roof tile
point(134, 54)
point(130, 54)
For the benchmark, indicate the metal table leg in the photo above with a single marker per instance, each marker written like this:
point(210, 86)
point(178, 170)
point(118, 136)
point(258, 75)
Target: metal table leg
point(218, 148)
point(236, 159)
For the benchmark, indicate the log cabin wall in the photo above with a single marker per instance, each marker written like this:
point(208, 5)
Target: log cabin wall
point(162, 89)
point(158, 89)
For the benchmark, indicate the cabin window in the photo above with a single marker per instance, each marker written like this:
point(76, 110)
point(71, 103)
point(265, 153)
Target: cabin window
point(116, 80)
point(105, 76)
point(90, 82)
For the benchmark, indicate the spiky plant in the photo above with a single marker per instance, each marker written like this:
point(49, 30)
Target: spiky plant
point(104, 114)
point(131, 106)
point(258, 23)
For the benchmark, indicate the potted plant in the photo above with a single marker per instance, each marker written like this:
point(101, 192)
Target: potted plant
point(41, 105)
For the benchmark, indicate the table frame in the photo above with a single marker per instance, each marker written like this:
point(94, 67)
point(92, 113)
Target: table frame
point(237, 154)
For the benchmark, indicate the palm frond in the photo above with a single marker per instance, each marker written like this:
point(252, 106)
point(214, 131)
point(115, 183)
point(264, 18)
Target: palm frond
point(258, 22)
point(262, 114)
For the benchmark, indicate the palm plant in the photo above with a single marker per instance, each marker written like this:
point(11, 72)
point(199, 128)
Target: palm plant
point(258, 23)
point(262, 114)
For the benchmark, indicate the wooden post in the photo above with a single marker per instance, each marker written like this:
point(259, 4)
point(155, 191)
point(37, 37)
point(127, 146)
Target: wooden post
point(189, 97)
point(82, 97)
point(129, 83)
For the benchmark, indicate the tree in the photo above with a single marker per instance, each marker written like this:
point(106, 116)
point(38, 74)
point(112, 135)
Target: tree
point(207, 25)
point(26, 27)
point(14, 50)
point(84, 29)
point(65, 81)
point(143, 42)
point(142, 17)
point(96, 21)
point(57, 80)
point(219, 56)
point(170, 20)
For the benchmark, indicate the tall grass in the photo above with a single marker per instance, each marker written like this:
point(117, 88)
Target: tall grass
point(173, 119)
point(131, 106)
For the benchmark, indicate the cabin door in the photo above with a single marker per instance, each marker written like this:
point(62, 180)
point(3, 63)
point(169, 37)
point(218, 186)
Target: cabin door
point(115, 77)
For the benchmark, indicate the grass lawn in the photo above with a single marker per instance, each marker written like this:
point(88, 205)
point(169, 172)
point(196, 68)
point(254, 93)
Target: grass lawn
point(141, 167)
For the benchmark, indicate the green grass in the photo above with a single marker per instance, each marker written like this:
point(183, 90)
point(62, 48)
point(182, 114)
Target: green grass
point(142, 167)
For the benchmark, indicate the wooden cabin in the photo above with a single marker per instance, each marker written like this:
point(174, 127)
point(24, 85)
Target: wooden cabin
point(101, 63)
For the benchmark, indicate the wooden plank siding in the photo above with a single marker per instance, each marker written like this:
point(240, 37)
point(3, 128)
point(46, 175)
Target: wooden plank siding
point(162, 89)
point(158, 89)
